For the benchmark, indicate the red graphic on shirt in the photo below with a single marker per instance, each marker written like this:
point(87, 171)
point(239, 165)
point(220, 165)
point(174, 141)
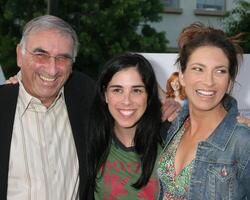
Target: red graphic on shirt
point(117, 181)
point(117, 185)
point(148, 191)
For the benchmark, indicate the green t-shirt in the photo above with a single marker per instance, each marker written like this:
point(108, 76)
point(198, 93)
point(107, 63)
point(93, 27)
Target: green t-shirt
point(121, 171)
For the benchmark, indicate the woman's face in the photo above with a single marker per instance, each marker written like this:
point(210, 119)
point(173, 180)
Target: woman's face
point(175, 84)
point(126, 97)
point(206, 78)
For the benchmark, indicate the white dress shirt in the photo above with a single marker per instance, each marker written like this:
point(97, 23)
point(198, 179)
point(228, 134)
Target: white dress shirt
point(43, 160)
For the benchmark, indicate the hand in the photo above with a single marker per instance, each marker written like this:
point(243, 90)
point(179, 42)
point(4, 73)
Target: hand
point(170, 109)
point(12, 80)
point(243, 120)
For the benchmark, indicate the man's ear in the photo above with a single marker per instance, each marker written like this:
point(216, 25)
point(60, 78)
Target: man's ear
point(19, 55)
point(181, 79)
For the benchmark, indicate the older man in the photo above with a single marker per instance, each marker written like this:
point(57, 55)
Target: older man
point(43, 117)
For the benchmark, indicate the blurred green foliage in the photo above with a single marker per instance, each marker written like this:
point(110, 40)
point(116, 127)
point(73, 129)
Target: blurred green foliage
point(105, 28)
point(238, 21)
point(14, 14)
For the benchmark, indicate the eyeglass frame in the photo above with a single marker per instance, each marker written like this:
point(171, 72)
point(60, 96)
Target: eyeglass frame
point(39, 55)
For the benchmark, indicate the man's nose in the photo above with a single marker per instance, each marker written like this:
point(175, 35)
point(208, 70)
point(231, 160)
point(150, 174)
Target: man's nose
point(52, 66)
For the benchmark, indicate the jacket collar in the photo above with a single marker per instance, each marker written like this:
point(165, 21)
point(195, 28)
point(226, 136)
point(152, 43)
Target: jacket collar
point(222, 134)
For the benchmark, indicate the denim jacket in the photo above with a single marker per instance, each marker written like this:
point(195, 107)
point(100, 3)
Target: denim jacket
point(221, 167)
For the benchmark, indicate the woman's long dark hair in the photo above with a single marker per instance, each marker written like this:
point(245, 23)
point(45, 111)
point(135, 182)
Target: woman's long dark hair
point(101, 126)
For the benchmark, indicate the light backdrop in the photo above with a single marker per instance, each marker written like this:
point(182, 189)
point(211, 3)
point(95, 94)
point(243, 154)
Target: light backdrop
point(164, 66)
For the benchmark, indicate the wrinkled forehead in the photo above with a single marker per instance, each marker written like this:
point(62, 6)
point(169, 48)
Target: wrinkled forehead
point(52, 41)
point(50, 36)
point(36, 30)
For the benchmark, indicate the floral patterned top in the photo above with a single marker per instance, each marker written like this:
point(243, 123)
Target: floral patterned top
point(175, 187)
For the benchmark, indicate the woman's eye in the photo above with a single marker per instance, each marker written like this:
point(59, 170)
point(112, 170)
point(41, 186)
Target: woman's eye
point(116, 90)
point(198, 69)
point(222, 71)
point(138, 91)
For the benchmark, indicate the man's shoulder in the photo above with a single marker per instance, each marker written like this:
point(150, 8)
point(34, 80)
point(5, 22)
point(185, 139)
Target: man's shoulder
point(79, 84)
point(9, 88)
point(79, 77)
point(9, 94)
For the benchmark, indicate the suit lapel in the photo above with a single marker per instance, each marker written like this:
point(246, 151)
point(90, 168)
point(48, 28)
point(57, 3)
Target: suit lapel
point(78, 92)
point(74, 118)
point(8, 101)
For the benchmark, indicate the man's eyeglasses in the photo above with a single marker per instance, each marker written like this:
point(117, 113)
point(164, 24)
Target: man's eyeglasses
point(44, 58)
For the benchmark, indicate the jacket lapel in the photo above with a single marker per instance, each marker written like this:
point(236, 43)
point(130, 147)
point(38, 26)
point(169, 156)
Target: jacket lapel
point(8, 101)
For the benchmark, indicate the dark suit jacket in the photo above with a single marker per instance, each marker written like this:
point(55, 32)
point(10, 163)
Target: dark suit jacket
point(79, 91)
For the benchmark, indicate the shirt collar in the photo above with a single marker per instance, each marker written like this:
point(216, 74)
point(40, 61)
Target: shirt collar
point(28, 99)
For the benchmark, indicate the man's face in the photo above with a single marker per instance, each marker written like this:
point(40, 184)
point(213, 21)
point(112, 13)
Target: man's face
point(42, 75)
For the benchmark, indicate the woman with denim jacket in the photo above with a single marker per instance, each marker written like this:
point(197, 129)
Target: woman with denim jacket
point(207, 152)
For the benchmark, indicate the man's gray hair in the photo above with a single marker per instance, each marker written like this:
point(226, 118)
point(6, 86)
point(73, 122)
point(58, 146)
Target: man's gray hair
point(47, 22)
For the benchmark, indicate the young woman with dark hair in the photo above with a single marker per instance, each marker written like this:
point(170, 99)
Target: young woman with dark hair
point(125, 130)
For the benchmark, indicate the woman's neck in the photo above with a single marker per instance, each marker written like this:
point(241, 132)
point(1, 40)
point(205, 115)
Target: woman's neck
point(125, 135)
point(177, 93)
point(203, 123)
point(178, 97)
